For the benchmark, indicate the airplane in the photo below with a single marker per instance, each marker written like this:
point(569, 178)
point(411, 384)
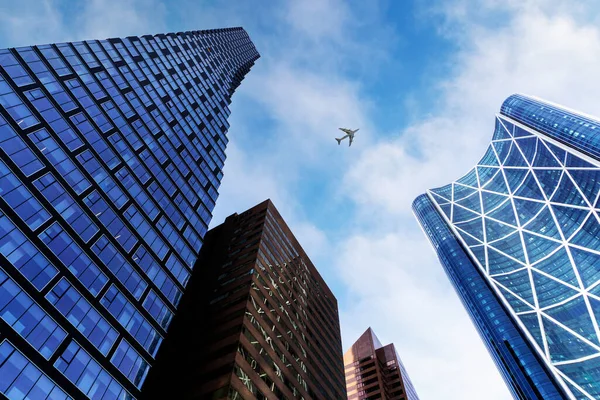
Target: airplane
point(349, 134)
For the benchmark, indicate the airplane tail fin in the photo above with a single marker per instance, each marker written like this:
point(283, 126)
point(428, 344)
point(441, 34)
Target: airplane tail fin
point(338, 140)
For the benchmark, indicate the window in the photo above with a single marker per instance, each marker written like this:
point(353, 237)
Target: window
point(130, 363)
point(157, 275)
point(19, 378)
point(146, 231)
point(15, 107)
point(102, 178)
point(59, 159)
point(85, 373)
point(14, 69)
point(66, 206)
point(97, 142)
point(70, 303)
point(158, 309)
point(116, 263)
point(131, 319)
point(73, 257)
point(110, 220)
point(17, 150)
point(20, 199)
point(19, 311)
point(23, 255)
point(54, 60)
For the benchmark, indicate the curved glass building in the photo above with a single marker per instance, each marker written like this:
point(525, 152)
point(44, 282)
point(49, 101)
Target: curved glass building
point(519, 237)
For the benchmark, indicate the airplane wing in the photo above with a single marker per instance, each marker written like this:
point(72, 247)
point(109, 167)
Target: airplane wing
point(347, 131)
point(351, 139)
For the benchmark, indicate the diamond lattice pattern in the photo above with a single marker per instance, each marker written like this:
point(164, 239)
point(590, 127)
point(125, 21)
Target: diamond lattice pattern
point(529, 214)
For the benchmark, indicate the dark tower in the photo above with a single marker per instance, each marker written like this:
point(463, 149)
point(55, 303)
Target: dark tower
point(257, 320)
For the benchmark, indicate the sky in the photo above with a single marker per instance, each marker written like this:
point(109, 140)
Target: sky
point(421, 79)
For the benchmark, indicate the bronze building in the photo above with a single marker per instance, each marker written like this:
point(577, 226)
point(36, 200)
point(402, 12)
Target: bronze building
point(257, 321)
point(374, 371)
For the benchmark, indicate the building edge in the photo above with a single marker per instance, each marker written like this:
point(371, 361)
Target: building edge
point(507, 344)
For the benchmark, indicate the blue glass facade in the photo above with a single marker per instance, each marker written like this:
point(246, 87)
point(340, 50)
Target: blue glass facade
point(111, 154)
point(526, 221)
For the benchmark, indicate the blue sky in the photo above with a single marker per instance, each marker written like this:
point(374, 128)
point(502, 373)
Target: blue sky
point(422, 80)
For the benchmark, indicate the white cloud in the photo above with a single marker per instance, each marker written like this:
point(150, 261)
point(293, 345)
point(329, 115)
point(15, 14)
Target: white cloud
point(100, 19)
point(27, 22)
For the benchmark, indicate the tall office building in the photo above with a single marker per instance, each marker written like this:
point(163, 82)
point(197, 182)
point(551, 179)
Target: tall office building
point(257, 320)
point(110, 160)
point(374, 371)
point(519, 236)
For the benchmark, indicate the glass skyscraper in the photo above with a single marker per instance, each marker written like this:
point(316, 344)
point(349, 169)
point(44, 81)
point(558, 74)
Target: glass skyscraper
point(519, 236)
point(110, 160)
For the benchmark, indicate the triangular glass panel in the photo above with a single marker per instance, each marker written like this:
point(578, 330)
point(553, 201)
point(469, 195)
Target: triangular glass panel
point(589, 234)
point(592, 374)
point(567, 193)
point(461, 191)
point(544, 224)
point(526, 209)
point(515, 158)
point(511, 245)
point(444, 192)
point(461, 214)
point(471, 202)
point(498, 263)
point(595, 291)
point(538, 247)
point(558, 152)
point(530, 188)
point(502, 149)
point(518, 282)
point(470, 179)
point(496, 230)
point(528, 146)
point(438, 199)
point(569, 218)
point(504, 213)
point(474, 227)
point(574, 161)
point(588, 181)
point(544, 157)
point(492, 200)
point(516, 304)
point(470, 240)
point(587, 264)
point(549, 179)
point(489, 158)
point(550, 292)
point(500, 131)
point(479, 252)
point(497, 184)
point(515, 177)
point(559, 266)
point(595, 304)
point(486, 174)
point(520, 132)
point(532, 324)
point(562, 345)
point(446, 208)
point(573, 314)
